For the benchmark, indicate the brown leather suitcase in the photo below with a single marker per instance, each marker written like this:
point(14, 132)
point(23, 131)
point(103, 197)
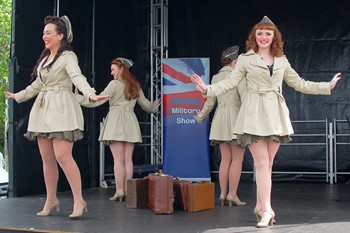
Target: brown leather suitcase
point(201, 196)
point(181, 193)
point(160, 193)
point(137, 193)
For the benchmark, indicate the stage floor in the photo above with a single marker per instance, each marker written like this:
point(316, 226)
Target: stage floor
point(300, 207)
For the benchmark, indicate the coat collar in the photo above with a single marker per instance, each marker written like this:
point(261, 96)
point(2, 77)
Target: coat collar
point(41, 65)
point(257, 61)
point(226, 68)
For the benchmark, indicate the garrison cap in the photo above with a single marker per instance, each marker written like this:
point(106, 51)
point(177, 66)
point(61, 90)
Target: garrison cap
point(231, 52)
point(127, 62)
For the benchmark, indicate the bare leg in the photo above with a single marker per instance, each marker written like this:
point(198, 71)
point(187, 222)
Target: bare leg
point(129, 167)
point(235, 171)
point(225, 163)
point(50, 170)
point(272, 148)
point(118, 150)
point(263, 176)
point(63, 152)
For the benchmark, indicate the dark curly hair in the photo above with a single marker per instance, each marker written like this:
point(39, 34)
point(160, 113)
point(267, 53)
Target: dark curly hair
point(277, 43)
point(60, 28)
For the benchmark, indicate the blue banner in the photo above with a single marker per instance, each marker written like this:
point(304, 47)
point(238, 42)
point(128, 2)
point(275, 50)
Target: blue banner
point(185, 142)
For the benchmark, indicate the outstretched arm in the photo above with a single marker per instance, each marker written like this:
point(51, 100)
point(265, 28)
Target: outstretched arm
point(96, 98)
point(9, 95)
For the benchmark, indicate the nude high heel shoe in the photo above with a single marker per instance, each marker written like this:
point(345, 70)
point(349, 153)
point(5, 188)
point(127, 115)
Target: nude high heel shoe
point(78, 212)
point(267, 219)
point(118, 196)
point(235, 200)
point(257, 214)
point(49, 206)
point(222, 199)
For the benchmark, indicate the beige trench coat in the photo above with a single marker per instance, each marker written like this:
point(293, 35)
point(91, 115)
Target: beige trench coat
point(264, 111)
point(56, 109)
point(121, 123)
point(225, 116)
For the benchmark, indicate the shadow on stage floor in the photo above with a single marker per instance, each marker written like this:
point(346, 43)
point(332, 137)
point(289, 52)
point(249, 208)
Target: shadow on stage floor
point(299, 206)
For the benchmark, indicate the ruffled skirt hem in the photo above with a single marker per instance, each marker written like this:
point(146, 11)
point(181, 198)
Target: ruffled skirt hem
point(73, 136)
point(217, 142)
point(246, 139)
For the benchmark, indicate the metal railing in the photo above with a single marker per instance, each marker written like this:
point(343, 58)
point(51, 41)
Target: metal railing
point(316, 135)
point(341, 138)
point(321, 133)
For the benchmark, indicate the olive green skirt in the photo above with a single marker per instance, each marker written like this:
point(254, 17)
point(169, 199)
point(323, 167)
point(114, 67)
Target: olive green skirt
point(107, 142)
point(246, 139)
point(73, 136)
point(217, 142)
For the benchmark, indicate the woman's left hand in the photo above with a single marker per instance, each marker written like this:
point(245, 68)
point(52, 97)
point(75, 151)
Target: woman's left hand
point(335, 79)
point(156, 102)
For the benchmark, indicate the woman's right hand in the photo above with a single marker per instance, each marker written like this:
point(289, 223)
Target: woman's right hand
point(9, 95)
point(96, 98)
point(200, 85)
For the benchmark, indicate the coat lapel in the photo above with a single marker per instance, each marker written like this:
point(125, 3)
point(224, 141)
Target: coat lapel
point(279, 63)
point(256, 60)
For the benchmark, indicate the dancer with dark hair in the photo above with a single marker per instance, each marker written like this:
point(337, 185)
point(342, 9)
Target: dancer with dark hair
point(263, 121)
point(56, 118)
point(221, 130)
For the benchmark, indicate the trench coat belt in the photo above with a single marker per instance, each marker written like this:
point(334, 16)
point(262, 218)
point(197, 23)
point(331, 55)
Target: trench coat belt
point(223, 104)
point(122, 108)
point(55, 89)
point(264, 89)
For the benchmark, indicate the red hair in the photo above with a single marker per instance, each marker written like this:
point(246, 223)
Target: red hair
point(277, 43)
point(132, 86)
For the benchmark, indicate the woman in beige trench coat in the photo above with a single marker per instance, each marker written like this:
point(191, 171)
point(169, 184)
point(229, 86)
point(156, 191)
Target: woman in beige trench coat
point(121, 128)
point(221, 130)
point(56, 119)
point(263, 121)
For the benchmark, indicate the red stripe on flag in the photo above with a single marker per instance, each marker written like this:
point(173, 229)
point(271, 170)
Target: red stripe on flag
point(176, 74)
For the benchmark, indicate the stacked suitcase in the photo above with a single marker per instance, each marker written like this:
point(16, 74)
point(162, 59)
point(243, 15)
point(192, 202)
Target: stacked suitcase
point(160, 192)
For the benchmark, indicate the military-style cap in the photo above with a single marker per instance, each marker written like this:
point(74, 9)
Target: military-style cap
point(69, 29)
point(265, 19)
point(127, 62)
point(231, 52)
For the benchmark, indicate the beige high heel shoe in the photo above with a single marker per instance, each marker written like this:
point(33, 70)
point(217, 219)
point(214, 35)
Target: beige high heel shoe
point(235, 200)
point(257, 214)
point(222, 199)
point(78, 212)
point(267, 219)
point(46, 212)
point(118, 196)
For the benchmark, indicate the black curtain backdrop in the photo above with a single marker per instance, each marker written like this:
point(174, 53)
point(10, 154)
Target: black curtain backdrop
point(317, 44)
